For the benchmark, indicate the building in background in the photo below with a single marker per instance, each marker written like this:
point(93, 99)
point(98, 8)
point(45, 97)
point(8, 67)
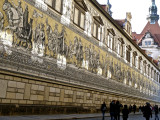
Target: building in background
point(149, 38)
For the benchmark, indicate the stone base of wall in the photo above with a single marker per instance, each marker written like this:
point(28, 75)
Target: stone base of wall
point(12, 109)
point(23, 95)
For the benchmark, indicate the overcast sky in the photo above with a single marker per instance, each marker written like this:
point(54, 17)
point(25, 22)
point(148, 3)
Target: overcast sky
point(138, 8)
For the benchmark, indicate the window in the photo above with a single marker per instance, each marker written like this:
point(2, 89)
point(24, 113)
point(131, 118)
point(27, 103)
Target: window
point(134, 58)
point(55, 4)
point(97, 27)
point(120, 46)
point(147, 43)
point(79, 13)
point(79, 17)
point(139, 63)
point(128, 53)
point(152, 72)
point(111, 38)
point(148, 70)
point(110, 41)
point(144, 68)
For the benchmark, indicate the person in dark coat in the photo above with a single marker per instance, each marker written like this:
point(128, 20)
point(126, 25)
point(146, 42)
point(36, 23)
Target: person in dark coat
point(112, 110)
point(130, 108)
point(117, 110)
point(140, 109)
point(103, 109)
point(125, 112)
point(134, 108)
point(156, 112)
point(147, 112)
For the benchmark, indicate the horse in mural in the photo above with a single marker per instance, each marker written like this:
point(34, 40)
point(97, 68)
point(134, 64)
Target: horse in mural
point(18, 23)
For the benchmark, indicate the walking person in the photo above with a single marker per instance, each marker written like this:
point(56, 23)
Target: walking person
point(117, 110)
point(130, 108)
point(134, 108)
point(103, 109)
point(112, 110)
point(140, 109)
point(147, 112)
point(125, 112)
point(156, 112)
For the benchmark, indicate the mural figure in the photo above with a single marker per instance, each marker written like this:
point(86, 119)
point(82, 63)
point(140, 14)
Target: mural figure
point(104, 66)
point(111, 70)
point(1, 21)
point(118, 73)
point(18, 23)
point(61, 41)
point(86, 61)
point(129, 79)
point(78, 51)
point(133, 80)
point(52, 38)
point(123, 74)
point(69, 53)
point(39, 40)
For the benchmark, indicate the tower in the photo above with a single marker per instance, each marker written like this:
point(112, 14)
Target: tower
point(109, 8)
point(153, 17)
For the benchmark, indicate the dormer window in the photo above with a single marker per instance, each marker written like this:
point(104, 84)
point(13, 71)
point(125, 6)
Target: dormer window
point(147, 43)
point(79, 13)
point(97, 29)
point(55, 4)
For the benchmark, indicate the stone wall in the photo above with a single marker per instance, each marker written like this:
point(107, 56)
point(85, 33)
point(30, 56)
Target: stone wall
point(36, 77)
point(33, 95)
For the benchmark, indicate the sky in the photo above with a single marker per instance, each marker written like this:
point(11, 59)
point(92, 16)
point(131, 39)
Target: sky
point(138, 8)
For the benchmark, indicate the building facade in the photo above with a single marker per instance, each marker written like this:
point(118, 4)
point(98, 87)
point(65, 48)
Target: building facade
point(149, 38)
point(67, 56)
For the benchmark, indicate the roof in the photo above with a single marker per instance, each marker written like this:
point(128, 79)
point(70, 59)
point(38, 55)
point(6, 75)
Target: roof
point(154, 29)
point(120, 22)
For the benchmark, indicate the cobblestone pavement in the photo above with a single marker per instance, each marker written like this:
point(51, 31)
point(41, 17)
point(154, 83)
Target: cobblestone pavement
point(69, 117)
point(131, 117)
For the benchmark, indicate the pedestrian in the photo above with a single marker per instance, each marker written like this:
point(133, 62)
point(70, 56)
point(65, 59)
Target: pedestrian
point(156, 112)
point(125, 112)
point(112, 110)
point(117, 110)
point(147, 112)
point(103, 109)
point(140, 109)
point(130, 108)
point(134, 108)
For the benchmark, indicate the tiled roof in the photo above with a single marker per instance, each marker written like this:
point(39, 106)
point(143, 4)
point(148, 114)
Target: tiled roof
point(120, 22)
point(154, 29)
